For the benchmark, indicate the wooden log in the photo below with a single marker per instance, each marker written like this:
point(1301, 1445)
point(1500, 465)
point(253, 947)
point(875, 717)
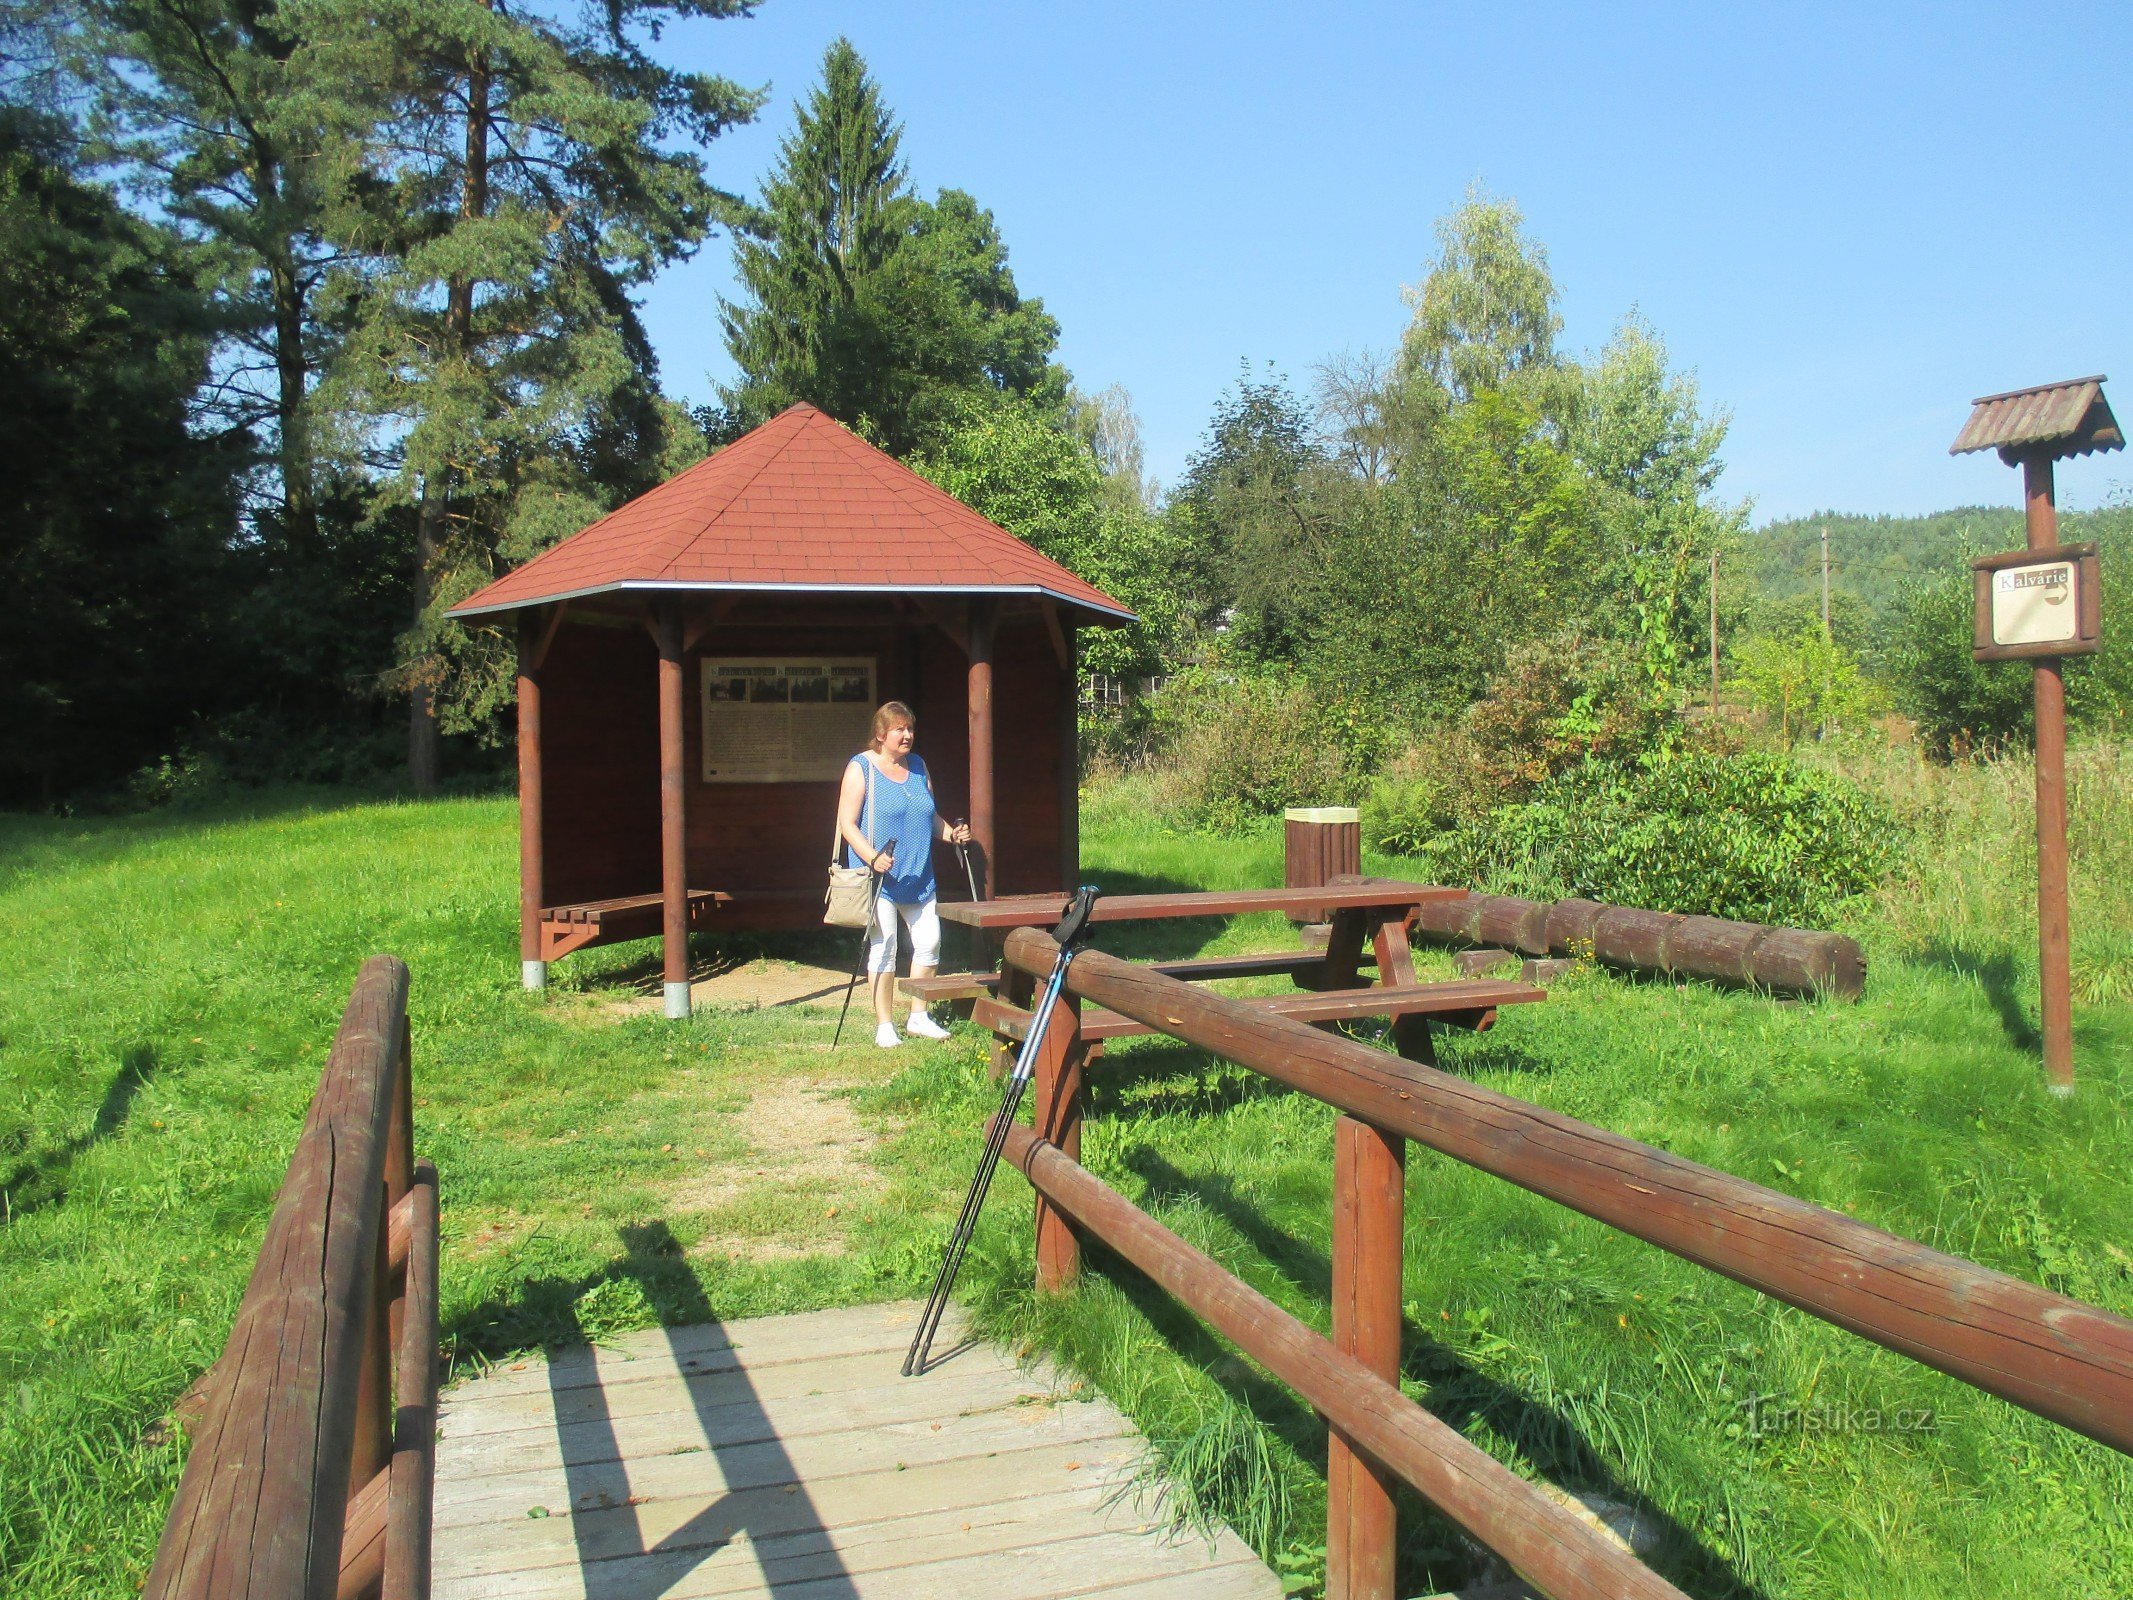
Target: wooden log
point(1520, 925)
point(1572, 925)
point(1548, 1547)
point(1369, 1191)
point(2066, 1361)
point(261, 1505)
point(1713, 948)
point(1447, 920)
point(1625, 936)
point(1798, 961)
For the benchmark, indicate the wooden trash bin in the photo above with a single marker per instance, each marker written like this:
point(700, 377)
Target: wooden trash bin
point(1319, 844)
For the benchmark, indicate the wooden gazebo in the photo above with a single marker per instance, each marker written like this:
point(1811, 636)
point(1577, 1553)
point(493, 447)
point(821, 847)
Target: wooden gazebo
point(695, 668)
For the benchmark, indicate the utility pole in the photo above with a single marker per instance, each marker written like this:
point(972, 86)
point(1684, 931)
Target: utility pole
point(1714, 633)
point(1825, 583)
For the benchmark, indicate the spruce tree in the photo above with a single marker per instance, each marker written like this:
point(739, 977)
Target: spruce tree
point(833, 212)
point(523, 176)
point(885, 310)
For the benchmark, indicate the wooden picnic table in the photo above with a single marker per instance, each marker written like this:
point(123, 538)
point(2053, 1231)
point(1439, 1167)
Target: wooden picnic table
point(1364, 894)
point(1369, 928)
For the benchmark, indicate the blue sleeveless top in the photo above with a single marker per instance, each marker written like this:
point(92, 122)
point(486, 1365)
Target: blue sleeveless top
point(903, 812)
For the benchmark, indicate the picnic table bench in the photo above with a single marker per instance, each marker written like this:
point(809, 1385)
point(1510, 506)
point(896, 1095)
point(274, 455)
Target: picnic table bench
point(1463, 1003)
point(1370, 917)
point(629, 916)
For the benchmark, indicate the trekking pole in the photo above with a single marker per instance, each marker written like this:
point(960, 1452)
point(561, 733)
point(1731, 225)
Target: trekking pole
point(970, 873)
point(866, 935)
point(970, 876)
point(1069, 933)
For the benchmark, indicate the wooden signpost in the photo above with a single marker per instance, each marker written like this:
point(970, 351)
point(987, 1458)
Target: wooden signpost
point(2043, 604)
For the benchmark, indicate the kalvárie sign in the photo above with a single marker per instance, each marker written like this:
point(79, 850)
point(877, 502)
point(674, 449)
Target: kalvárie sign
point(2036, 603)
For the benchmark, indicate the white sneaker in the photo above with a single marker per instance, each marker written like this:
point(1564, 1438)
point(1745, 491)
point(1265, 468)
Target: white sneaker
point(885, 1036)
point(924, 1027)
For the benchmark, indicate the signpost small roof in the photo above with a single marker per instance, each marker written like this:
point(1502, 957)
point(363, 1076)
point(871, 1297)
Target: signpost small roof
point(799, 505)
point(2053, 419)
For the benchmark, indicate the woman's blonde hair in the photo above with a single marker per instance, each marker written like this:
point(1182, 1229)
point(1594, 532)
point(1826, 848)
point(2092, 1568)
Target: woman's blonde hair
point(893, 714)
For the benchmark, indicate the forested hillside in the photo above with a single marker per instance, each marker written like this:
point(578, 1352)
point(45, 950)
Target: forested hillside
point(1871, 558)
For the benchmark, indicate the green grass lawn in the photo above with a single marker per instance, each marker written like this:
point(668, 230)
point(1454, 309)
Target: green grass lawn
point(174, 981)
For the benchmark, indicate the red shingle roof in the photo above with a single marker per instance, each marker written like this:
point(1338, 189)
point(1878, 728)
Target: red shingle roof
point(2073, 418)
point(800, 503)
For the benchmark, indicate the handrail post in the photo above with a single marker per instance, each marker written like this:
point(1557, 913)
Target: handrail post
point(412, 1487)
point(1058, 1082)
point(1369, 1194)
point(380, 1313)
point(399, 1166)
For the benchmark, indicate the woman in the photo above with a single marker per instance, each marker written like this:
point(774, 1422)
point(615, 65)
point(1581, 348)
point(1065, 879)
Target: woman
point(887, 795)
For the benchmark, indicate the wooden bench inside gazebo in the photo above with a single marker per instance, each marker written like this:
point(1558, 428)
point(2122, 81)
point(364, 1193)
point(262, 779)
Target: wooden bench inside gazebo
point(696, 668)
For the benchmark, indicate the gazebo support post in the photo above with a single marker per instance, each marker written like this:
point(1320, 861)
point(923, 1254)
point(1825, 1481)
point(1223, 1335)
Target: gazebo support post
point(2054, 941)
point(533, 971)
point(981, 806)
point(1070, 763)
point(673, 796)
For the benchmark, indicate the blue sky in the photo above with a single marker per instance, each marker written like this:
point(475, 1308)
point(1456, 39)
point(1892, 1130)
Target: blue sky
point(1845, 220)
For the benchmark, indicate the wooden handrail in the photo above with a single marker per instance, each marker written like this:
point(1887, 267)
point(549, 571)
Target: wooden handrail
point(2060, 1358)
point(1546, 1544)
point(300, 1410)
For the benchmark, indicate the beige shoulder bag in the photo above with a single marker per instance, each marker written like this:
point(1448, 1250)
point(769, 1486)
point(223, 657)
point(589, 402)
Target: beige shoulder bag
point(849, 900)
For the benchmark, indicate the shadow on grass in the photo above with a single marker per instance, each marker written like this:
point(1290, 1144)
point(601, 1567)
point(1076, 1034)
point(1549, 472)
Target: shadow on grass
point(1459, 1395)
point(1996, 976)
point(1159, 1079)
point(40, 1182)
point(760, 1495)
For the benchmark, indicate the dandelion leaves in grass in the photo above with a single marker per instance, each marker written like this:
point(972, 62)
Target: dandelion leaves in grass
point(518, 178)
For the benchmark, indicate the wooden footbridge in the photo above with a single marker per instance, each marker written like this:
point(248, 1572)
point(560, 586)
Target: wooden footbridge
point(786, 1457)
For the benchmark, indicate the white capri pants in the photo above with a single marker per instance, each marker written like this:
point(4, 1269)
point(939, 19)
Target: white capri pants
point(925, 925)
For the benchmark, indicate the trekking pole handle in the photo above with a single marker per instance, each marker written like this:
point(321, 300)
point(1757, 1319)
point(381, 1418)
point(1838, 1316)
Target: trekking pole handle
point(1073, 927)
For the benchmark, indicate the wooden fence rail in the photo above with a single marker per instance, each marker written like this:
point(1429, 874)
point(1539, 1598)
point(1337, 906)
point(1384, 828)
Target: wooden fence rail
point(310, 1470)
point(2060, 1358)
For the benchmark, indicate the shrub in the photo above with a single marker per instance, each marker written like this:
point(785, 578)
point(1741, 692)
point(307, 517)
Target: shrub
point(1238, 751)
point(1961, 707)
point(1556, 703)
point(1421, 795)
point(1802, 681)
point(1759, 837)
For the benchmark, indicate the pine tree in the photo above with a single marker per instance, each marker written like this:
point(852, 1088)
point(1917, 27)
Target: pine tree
point(523, 176)
point(198, 103)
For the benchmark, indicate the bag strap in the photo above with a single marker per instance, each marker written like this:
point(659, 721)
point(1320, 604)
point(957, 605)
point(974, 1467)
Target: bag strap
point(836, 830)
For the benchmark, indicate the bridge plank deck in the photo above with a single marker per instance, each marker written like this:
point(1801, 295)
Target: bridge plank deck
point(786, 1456)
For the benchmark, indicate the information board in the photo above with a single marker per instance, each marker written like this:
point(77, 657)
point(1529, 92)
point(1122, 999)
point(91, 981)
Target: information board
point(772, 719)
point(2037, 603)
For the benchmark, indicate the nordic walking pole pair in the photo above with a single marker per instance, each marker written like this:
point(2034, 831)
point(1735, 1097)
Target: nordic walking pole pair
point(866, 935)
point(1072, 928)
